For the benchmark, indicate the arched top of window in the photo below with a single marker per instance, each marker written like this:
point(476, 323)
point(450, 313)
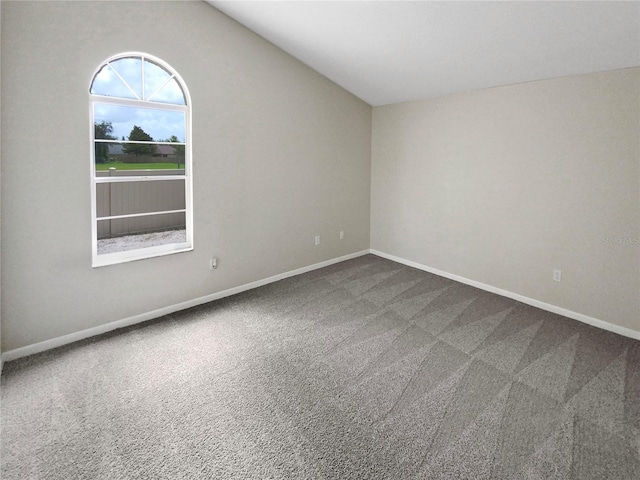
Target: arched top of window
point(141, 77)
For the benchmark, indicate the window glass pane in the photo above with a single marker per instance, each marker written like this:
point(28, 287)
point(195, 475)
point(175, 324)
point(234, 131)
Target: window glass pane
point(107, 83)
point(130, 69)
point(170, 93)
point(140, 232)
point(154, 77)
point(134, 159)
point(125, 198)
point(157, 124)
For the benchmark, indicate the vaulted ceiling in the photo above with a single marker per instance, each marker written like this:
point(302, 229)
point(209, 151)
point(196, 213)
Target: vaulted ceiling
point(394, 51)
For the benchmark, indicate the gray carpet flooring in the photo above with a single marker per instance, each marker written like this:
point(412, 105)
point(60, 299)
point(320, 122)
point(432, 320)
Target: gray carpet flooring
point(366, 369)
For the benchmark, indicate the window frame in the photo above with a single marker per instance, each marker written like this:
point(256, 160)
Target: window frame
point(153, 251)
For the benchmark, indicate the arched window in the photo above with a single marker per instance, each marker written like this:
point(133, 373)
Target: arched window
point(140, 160)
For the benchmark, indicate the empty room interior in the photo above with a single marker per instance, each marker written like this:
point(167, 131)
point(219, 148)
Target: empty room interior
point(320, 240)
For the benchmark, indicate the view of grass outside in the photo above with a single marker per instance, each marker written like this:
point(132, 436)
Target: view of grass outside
point(139, 166)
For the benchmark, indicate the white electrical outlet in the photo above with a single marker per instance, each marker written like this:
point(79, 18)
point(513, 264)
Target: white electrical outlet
point(317, 240)
point(557, 275)
point(341, 235)
point(213, 263)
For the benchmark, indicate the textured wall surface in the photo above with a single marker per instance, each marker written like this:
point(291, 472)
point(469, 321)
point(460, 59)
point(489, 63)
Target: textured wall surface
point(504, 185)
point(280, 154)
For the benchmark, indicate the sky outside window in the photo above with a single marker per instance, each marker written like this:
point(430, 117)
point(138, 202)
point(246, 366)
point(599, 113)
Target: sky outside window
point(160, 124)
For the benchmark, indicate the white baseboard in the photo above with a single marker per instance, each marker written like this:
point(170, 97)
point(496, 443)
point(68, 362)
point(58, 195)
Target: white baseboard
point(627, 332)
point(125, 322)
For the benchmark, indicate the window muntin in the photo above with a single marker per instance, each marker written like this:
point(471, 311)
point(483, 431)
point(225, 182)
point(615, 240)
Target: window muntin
point(138, 78)
point(141, 160)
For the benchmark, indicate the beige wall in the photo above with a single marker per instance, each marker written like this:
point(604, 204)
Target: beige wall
point(280, 154)
point(502, 186)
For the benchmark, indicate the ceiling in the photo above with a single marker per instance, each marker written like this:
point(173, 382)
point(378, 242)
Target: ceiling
point(394, 51)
